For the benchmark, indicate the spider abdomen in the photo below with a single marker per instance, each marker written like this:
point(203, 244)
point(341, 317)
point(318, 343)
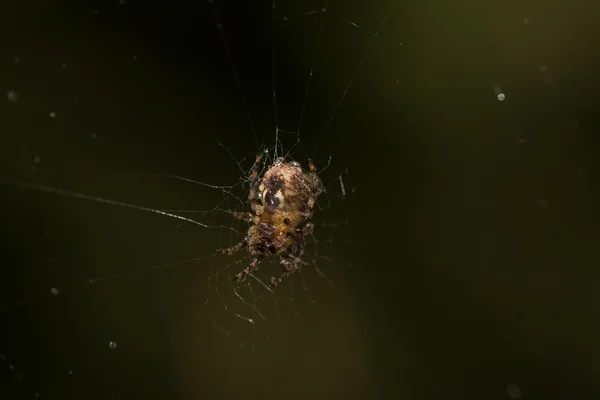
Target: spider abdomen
point(288, 193)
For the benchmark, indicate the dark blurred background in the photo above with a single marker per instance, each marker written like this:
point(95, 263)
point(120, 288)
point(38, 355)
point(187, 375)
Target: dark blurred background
point(466, 263)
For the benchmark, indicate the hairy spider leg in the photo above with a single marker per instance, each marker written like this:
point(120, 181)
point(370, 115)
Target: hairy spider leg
point(248, 270)
point(244, 216)
point(307, 230)
point(291, 266)
point(255, 203)
point(230, 250)
point(254, 194)
point(275, 281)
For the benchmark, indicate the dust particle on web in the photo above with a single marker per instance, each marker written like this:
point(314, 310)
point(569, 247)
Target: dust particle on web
point(12, 96)
point(513, 391)
point(52, 114)
point(112, 345)
point(54, 291)
point(499, 93)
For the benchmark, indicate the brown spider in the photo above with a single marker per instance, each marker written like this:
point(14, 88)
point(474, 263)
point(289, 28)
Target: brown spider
point(282, 201)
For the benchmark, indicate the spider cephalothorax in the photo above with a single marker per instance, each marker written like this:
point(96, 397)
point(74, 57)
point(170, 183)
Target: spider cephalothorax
point(282, 201)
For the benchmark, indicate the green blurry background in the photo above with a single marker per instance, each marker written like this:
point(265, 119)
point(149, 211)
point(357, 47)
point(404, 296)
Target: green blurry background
point(468, 264)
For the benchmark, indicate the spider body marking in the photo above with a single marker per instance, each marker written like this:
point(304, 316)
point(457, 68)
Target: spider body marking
point(282, 201)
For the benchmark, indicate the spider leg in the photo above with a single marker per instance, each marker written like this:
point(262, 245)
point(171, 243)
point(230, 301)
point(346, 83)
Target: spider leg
point(288, 268)
point(254, 194)
point(230, 250)
point(244, 216)
point(307, 229)
point(248, 270)
point(275, 281)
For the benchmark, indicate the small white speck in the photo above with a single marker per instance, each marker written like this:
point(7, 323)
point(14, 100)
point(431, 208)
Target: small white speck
point(54, 291)
point(543, 68)
point(11, 367)
point(400, 44)
point(70, 372)
point(513, 391)
point(499, 93)
point(324, 9)
point(121, 2)
point(397, 81)
point(12, 96)
point(52, 114)
point(64, 66)
point(285, 19)
point(134, 58)
point(526, 21)
point(112, 345)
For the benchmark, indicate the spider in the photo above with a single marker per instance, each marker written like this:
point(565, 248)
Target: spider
point(282, 201)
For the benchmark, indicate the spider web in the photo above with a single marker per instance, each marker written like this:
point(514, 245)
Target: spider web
point(120, 177)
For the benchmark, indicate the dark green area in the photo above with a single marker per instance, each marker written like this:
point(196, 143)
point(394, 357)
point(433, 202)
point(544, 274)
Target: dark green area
point(472, 235)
